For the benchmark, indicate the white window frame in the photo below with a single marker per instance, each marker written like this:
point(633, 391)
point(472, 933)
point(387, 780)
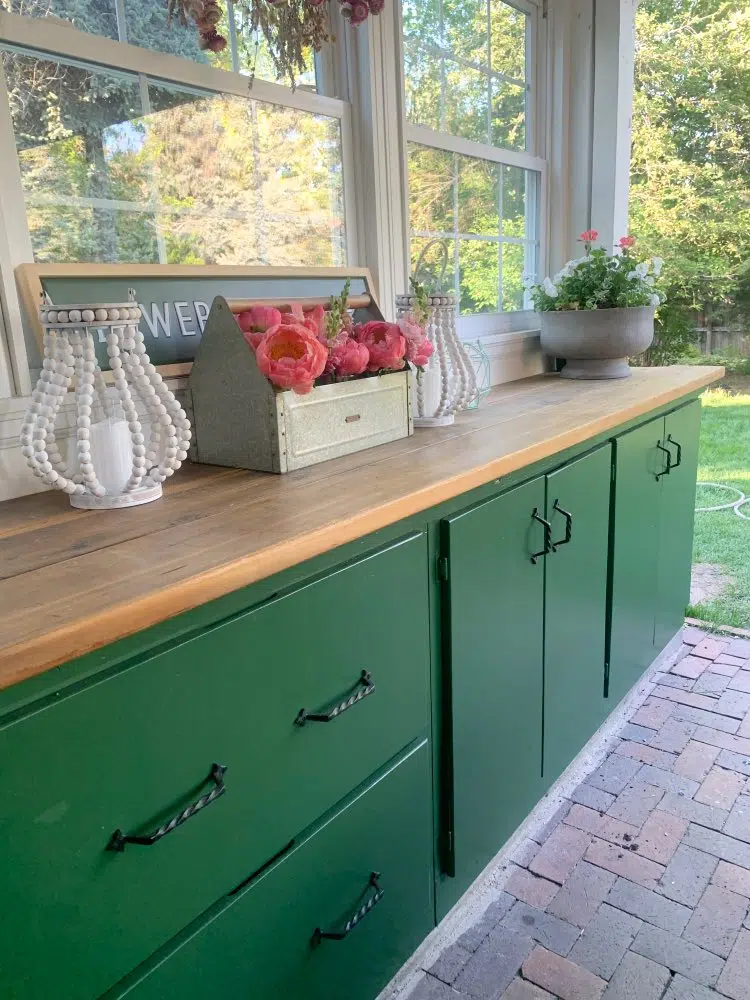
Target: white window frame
point(49, 37)
point(532, 158)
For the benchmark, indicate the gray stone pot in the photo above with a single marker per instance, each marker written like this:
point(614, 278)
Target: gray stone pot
point(596, 343)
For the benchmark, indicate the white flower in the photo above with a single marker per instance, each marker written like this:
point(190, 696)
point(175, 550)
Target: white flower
point(649, 280)
point(655, 300)
point(642, 268)
point(550, 288)
point(657, 264)
point(633, 276)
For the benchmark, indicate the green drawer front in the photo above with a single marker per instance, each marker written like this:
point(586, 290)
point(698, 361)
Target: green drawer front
point(134, 750)
point(263, 945)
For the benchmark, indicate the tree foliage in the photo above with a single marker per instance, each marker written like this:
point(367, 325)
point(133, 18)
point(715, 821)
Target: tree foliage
point(690, 182)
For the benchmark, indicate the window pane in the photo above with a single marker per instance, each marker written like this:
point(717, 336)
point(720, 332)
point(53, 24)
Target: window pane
point(478, 182)
point(246, 182)
point(466, 100)
point(508, 114)
point(508, 28)
point(423, 87)
point(146, 25)
point(479, 276)
point(485, 213)
point(96, 16)
point(465, 30)
point(514, 274)
point(430, 189)
point(465, 69)
point(202, 178)
point(253, 53)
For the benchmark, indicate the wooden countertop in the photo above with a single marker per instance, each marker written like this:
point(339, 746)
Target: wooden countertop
point(72, 581)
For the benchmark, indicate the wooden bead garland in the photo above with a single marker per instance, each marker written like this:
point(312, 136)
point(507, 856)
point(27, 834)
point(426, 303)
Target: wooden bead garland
point(449, 380)
point(69, 355)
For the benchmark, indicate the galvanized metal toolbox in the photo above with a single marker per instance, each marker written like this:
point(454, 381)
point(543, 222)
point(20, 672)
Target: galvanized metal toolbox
point(241, 420)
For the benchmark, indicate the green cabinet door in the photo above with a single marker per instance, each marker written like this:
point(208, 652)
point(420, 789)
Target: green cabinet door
point(676, 518)
point(578, 499)
point(635, 537)
point(262, 945)
point(493, 621)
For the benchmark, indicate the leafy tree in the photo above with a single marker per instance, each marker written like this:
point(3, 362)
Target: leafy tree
point(690, 193)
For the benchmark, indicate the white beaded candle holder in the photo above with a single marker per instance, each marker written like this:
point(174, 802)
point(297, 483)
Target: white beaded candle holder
point(448, 383)
point(69, 355)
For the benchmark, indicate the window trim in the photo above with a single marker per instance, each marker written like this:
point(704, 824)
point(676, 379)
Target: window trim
point(48, 37)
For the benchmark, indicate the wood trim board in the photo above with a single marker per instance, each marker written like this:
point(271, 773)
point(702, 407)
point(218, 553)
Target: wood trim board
point(74, 581)
point(30, 282)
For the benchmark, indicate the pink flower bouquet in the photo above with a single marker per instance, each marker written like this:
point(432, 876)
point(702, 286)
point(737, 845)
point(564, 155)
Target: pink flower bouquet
point(297, 348)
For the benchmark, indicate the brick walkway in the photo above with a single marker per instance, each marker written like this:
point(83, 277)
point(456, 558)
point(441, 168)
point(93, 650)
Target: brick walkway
point(639, 889)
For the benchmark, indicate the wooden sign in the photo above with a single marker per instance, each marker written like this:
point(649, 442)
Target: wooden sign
point(175, 299)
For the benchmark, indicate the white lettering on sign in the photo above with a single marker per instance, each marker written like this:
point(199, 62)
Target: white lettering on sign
point(182, 320)
point(158, 320)
point(201, 312)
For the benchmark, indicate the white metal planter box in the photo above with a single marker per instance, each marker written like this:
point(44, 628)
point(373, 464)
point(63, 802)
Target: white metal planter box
point(240, 420)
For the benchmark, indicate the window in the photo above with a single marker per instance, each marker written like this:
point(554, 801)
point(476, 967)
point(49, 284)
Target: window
point(117, 167)
point(475, 181)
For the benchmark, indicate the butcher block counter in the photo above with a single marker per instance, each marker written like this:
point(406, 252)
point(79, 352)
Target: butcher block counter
point(72, 581)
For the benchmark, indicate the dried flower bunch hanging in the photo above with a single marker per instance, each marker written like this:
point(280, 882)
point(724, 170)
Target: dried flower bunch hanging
point(290, 27)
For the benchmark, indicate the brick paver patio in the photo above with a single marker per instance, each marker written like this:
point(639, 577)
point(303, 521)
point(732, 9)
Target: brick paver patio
point(639, 889)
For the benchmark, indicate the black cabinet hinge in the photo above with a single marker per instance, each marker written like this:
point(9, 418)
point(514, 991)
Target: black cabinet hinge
point(442, 566)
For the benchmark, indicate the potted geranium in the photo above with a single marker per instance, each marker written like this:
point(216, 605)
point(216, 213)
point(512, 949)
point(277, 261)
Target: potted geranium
point(599, 309)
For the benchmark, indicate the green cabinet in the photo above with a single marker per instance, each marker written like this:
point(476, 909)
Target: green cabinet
point(525, 648)
point(676, 520)
point(651, 547)
point(578, 501)
point(493, 618)
point(136, 748)
point(263, 944)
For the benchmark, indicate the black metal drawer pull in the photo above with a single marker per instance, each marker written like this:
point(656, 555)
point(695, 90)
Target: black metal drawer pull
point(370, 903)
point(668, 453)
point(568, 525)
point(118, 840)
point(670, 440)
point(548, 546)
point(365, 687)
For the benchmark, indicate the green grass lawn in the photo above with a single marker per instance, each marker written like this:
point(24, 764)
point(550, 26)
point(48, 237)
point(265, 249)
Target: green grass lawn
point(721, 537)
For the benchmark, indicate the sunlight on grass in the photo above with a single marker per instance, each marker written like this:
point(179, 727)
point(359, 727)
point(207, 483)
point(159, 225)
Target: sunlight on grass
point(721, 537)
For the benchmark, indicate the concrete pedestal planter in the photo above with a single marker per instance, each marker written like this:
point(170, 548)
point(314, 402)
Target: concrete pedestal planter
point(596, 343)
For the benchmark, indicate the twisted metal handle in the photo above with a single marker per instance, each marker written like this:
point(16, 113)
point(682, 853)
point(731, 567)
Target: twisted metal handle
point(548, 546)
point(356, 917)
point(365, 688)
point(568, 525)
point(118, 840)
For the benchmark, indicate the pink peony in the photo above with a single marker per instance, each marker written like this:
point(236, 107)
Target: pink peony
point(257, 319)
point(385, 342)
point(291, 357)
point(626, 241)
point(297, 312)
point(348, 358)
point(376, 6)
point(589, 235)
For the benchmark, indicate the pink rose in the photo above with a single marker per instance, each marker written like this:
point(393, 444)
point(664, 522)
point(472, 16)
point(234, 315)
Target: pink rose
point(626, 241)
point(385, 342)
point(419, 352)
point(291, 357)
point(348, 358)
point(589, 235)
point(257, 319)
